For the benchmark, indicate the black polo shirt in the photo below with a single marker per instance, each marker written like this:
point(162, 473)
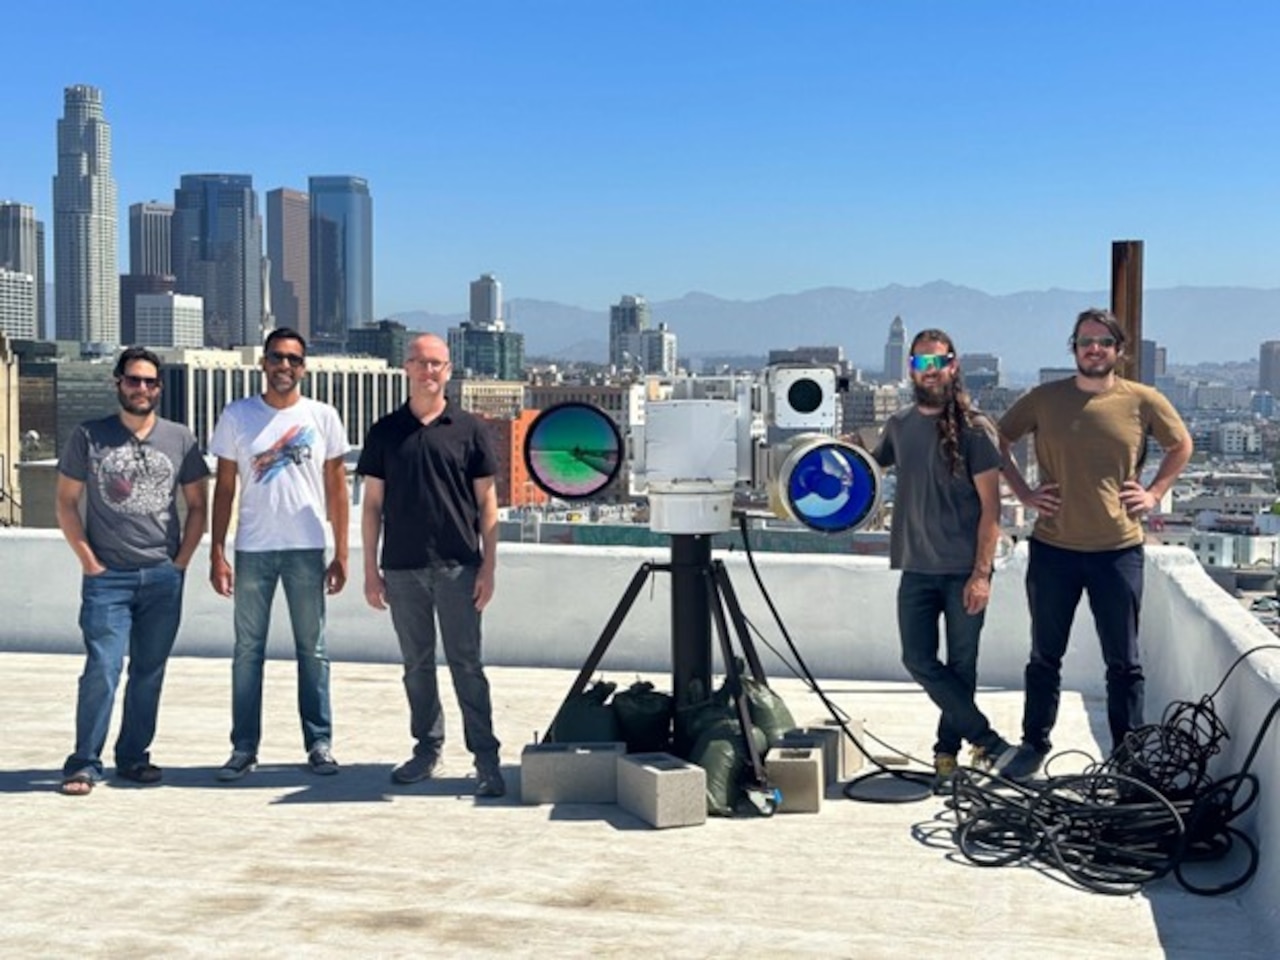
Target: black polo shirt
point(429, 512)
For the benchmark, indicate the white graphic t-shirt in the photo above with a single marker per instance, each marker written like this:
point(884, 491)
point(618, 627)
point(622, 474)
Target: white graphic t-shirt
point(280, 457)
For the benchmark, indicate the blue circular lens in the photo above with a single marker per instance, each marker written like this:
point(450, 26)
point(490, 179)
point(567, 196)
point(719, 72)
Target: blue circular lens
point(832, 487)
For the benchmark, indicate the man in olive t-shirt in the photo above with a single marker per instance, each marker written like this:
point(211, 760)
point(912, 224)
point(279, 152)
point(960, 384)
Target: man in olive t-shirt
point(1090, 440)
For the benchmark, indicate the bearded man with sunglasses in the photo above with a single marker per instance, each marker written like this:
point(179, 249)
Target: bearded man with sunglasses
point(286, 452)
point(1090, 443)
point(946, 523)
point(127, 470)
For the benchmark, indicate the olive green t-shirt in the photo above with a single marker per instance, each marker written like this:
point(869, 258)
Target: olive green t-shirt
point(1090, 444)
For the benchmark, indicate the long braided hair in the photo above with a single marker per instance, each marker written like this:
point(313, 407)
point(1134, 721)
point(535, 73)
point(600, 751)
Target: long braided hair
point(957, 408)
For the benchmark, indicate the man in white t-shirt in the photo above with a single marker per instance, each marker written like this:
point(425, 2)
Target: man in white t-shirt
point(286, 453)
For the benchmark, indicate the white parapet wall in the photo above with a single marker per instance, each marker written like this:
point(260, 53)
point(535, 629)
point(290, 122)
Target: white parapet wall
point(553, 601)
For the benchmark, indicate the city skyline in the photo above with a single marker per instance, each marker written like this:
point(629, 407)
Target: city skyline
point(773, 149)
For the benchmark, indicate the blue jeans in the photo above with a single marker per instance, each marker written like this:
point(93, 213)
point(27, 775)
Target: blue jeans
point(302, 574)
point(417, 598)
point(1056, 579)
point(124, 610)
point(922, 599)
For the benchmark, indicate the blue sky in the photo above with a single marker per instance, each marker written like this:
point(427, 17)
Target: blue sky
point(583, 149)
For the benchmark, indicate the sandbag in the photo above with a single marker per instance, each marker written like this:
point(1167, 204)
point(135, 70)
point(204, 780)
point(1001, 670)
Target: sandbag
point(644, 718)
point(722, 752)
point(586, 718)
point(768, 712)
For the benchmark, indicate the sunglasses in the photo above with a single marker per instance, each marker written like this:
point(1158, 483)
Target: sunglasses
point(294, 360)
point(924, 362)
point(133, 383)
point(1085, 342)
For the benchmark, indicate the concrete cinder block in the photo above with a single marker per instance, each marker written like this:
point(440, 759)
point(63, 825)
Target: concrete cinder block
point(662, 790)
point(570, 772)
point(797, 774)
point(845, 755)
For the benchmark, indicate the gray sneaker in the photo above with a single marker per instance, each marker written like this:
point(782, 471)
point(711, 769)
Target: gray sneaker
point(1023, 765)
point(421, 766)
point(239, 763)
point(993, 759)
point(320, 759)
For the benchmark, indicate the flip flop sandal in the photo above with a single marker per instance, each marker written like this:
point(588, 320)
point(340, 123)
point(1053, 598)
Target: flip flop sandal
point(69, 785)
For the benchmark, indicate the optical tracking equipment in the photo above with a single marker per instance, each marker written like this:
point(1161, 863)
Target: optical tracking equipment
point(696, 459)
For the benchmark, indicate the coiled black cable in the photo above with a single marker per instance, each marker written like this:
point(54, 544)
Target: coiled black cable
point(1150, 809)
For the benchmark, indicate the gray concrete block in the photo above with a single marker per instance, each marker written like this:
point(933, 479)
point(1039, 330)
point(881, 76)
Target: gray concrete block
point(662, 790)
point(847, 756)
point(797, 774)
point(570, 772)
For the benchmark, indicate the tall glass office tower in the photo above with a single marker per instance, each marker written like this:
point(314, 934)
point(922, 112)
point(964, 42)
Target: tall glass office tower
point(217, 254)
point(86, 281)
point(22, 251)
point(341, 259)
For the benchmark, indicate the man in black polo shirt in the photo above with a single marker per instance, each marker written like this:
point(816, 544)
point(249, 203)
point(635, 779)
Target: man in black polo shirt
point(429, 497)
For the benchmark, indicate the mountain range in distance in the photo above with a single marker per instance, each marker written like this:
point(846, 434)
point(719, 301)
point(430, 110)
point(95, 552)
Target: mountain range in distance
point(1027, 330)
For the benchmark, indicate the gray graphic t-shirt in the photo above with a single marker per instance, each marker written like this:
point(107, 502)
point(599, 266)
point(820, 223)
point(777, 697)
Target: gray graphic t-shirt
point(131, 488)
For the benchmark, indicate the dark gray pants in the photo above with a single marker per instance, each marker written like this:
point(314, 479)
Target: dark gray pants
point(417, 599)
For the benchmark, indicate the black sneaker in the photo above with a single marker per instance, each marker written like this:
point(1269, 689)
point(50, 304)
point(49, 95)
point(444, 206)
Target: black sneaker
point(1024, 764)
point(489, 782)
point(320, 759)
point(239, 763)
point(420, 766)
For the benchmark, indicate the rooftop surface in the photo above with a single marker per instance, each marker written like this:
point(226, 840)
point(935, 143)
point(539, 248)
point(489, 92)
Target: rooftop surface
point(287, 864)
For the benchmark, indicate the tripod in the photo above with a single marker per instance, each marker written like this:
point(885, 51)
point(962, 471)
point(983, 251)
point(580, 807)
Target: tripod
point(700, 593)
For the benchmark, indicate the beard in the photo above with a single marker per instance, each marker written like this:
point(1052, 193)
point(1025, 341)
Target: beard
point(937, 395)
point(1099, 371)
point(139, 405)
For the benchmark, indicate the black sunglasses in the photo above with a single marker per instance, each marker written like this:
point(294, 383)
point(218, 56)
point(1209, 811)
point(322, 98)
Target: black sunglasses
point(294, 360)
point(129, 380)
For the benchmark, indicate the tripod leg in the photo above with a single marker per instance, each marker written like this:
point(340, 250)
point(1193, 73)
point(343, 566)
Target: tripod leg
point(725, 586)
point(734, 680)
point(606, 637)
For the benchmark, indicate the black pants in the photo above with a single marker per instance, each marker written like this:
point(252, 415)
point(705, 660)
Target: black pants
point(1056, 578)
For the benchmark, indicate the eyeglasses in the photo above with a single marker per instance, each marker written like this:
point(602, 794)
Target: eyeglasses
point(924, 362)
point(1082, 343)
point(294, 360)
point(133, 383)
point(429, 363)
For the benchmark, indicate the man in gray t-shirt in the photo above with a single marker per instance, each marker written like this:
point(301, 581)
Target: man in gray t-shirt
point(127, 470)
point(946, 522)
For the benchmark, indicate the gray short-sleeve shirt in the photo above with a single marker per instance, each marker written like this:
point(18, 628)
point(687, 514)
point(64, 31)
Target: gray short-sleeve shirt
point(131, 487)
point(935, 511)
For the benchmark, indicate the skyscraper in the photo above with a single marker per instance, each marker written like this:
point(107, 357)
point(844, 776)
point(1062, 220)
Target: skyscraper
point(895, 352)
point(86, 281)
point(289, 250)
point(627, 319)
point(217, 254)
point(150, 239)
point(483, 347)
point(486, 301)
point(341, 259)
point(22, 251)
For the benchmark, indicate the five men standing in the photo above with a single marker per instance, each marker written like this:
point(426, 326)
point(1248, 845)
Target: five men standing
point(127, 469)
point(286, 452)
point(430, 506)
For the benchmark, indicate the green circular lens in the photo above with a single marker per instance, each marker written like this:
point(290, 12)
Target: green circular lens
point(573, 450)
